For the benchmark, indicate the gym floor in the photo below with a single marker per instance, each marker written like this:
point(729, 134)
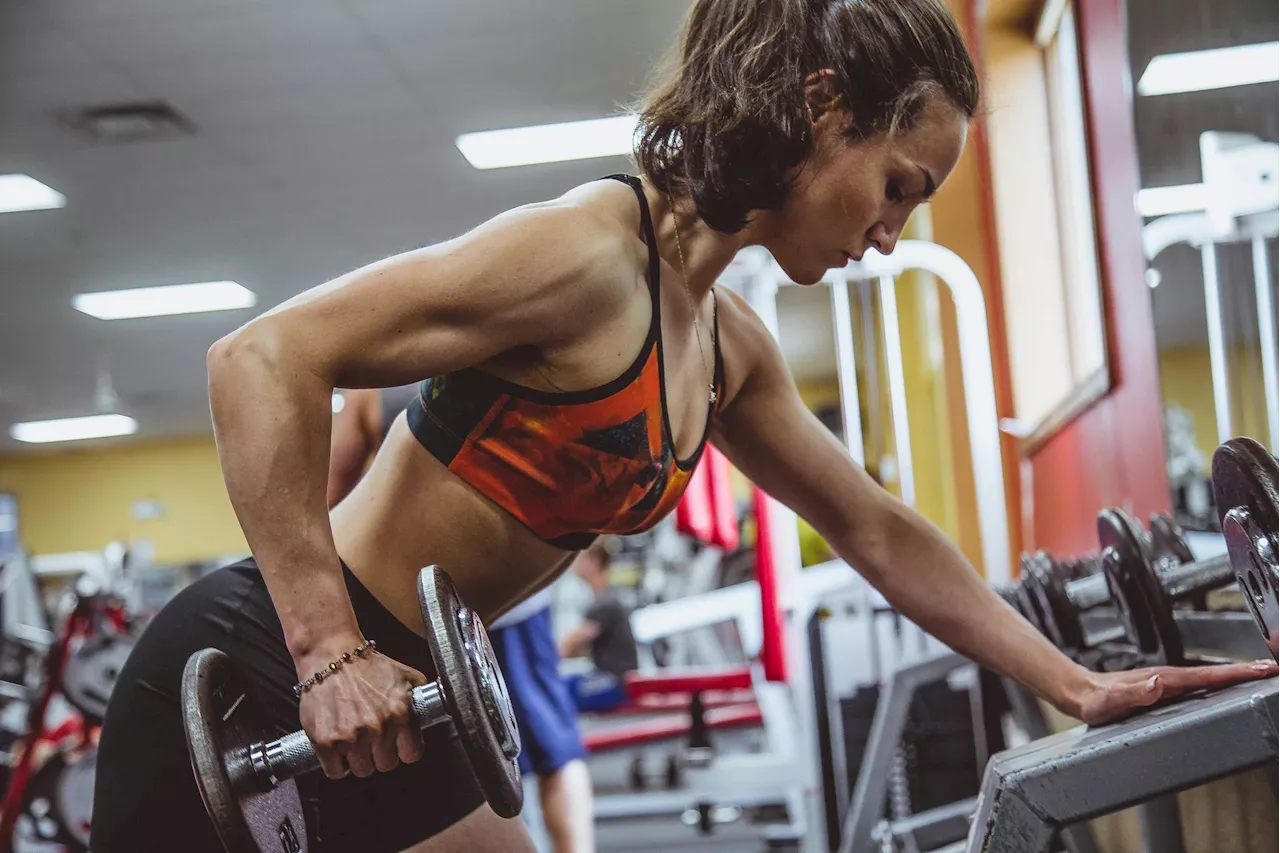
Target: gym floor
point(645, 836)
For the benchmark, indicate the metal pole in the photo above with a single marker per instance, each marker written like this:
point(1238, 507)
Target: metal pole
point(897, 389)
point(1217, 342)
point(872, 371)
point(1267, 335)
point(977, 374)
point(1160, 824)
point(846, 366)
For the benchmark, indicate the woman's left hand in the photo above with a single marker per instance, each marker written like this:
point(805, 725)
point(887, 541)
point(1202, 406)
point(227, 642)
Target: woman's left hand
point(1113, 695)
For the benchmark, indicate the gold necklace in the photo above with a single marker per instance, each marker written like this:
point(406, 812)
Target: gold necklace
point(684, 275)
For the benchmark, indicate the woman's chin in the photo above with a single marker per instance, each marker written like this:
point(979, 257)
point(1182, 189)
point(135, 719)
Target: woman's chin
point(804, 270)
point(810, 274)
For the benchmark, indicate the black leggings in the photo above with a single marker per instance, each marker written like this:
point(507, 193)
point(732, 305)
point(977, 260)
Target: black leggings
point(145, 797)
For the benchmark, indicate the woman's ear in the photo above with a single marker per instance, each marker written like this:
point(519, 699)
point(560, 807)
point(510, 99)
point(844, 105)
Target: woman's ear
point(820, 94)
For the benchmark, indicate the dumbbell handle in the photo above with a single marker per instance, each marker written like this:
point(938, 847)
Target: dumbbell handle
point(262, 766)
point(1180, 581)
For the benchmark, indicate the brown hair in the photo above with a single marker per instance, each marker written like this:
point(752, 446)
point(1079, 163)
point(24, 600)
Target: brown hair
point(728, 122)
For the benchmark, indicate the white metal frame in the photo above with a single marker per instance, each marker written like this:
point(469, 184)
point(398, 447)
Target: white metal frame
point(1195, 230)
point(1241, 206)
point(787, 771)
point(758, 278)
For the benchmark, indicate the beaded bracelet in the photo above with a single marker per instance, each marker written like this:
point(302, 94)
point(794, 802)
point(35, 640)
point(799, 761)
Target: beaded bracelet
point(359, 651)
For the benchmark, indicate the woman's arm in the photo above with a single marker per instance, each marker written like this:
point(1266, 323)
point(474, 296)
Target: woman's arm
point(768, 433)
point(419, 314)
point(510, 283)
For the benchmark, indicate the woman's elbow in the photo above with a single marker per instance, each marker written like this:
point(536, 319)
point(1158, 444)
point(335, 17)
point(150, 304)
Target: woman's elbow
point(251, 352)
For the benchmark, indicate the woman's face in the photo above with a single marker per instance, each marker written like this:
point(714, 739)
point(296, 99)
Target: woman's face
point(853, 196)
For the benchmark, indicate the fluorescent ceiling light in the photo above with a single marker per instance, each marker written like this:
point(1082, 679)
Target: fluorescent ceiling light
point(73, 429)
point(1211, 69)
point(1161, 201)
point(23, 192)
point(549, 143)
point(338, 402)
point(161, 301)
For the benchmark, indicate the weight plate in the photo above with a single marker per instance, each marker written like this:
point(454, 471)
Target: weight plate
point(1026, 602)
point(1139, 598)
point(222, 718)
point(74, 799)
point(1066, 614)
point(474, 690)
point(1244, 474)
point(1254, 558)
point(50, 819)
point(1245, 487)
point(1168, 542)
point(91, 672)
point(1062, 621)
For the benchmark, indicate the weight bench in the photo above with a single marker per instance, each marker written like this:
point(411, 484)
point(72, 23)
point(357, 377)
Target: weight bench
point(668, 727)
point(682, 689)
point(1032, 792)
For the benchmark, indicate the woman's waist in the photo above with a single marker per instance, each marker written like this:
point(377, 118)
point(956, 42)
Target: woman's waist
point(236, 601)
point(394, 525)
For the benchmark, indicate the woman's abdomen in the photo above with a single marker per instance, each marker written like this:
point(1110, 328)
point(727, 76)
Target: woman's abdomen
point(410, 511)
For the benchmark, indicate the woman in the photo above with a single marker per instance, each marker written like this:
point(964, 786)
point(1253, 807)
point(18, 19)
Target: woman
point(581, 358)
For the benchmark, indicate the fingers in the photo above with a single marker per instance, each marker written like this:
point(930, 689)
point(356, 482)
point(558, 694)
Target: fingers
point(386, 755)
point(363, 723)
point(331, 761)
point(1185, 679)
point(359, 758)
point(416, 678)
point(1147, 691)
point(409, 744)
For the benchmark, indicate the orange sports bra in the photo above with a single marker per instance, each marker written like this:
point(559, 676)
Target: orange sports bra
point(569, 465)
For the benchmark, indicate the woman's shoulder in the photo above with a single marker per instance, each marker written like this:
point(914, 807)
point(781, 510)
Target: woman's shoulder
point(593, 235)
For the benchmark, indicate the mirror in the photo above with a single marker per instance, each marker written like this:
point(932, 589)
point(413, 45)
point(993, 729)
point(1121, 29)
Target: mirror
point(1205, 109)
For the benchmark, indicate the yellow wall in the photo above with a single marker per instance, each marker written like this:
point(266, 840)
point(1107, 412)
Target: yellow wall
point(79, 500)
point(1187, 379)
point(819, 393)
point(957, 221)
point(1027, 223)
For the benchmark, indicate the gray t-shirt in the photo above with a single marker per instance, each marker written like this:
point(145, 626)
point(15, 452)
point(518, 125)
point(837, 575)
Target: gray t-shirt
point(614, 648)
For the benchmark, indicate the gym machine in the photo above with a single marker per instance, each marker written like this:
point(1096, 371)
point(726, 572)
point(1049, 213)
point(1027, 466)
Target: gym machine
point(1030, 793)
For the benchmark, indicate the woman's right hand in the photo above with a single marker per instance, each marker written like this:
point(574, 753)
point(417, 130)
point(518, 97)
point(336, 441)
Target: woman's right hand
point(360, 717)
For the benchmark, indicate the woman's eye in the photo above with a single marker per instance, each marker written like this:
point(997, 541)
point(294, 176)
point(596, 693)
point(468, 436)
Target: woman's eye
point(893, 192)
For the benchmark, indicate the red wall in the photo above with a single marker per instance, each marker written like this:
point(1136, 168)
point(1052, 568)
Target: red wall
point(1113, 454)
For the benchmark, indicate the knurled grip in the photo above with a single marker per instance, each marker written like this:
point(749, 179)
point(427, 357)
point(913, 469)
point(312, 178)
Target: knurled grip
point(1189, 579)
point(1179, 582)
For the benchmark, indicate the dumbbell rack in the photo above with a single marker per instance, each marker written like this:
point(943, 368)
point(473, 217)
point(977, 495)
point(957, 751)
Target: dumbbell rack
point(1032, 792)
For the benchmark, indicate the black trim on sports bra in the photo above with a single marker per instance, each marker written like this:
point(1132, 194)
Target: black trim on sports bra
point(655, 279)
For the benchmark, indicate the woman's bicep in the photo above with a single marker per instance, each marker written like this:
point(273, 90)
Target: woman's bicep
point(440, 308)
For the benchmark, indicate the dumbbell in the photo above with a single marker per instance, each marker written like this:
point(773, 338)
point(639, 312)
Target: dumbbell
point(247, 783)
point(1041, 598)
point(1245, 490)
point(1144, 593)
point(1167, 540)
point(1141, 589)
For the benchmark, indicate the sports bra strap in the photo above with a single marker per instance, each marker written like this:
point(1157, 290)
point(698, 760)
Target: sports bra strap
point(646, 220)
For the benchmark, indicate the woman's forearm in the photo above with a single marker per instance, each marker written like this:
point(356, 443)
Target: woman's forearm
point(926, 578)
point(271, 422)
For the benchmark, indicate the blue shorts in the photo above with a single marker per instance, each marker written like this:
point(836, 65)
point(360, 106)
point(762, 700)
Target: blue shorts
point(544, 708)
point(596, 691)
